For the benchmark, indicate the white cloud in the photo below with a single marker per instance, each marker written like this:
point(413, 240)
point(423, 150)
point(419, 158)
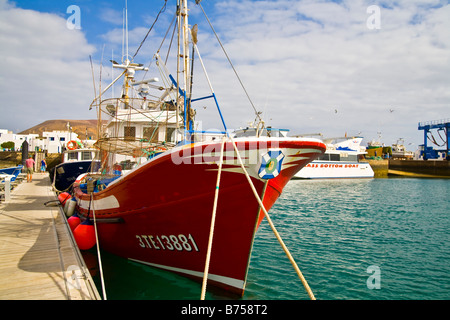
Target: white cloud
point(45, 69)
point(299, 60)
point(308, 58)
point(112, 16)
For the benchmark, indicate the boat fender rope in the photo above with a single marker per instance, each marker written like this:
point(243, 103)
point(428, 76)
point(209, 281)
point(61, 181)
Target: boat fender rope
point(286, 250)
point(52, 203)
point(213, 222)
point(98, 245)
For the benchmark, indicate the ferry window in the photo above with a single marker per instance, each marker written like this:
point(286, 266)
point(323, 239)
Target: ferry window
point(52, 138)
point(86, 155)
point(350, 157)
point(151, 133)
point(335, 157)
point(325, 157)
point(62, 139)
point(129, 133)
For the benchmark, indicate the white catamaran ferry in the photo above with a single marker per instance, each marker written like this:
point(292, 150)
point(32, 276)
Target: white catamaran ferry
point(340, 160)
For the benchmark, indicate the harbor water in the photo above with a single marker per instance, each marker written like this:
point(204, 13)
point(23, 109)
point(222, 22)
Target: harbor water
point(356, 239)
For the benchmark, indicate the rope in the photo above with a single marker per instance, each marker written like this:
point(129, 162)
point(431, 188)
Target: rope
point(145, 38)
point(61, 263)
point(98, 247)
point(52, 203)
point(286, 250)
point(213, 221)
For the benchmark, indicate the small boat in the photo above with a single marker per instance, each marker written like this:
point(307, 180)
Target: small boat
point(76, 160)
point(399, 150)
point(12, 172)
point(173, 197)
point(340, 160)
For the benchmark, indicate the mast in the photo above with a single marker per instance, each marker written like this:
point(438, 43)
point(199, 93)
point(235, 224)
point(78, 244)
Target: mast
point(183, 49)
point(126, 85)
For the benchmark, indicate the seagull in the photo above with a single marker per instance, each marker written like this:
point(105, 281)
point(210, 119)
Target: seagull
point(391, 110)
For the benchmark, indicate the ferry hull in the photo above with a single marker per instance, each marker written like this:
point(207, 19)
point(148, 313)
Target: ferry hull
point(335, 170)
point(160, 213)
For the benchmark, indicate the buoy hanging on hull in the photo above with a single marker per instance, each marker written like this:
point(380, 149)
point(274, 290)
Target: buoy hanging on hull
point(74, 221)
point(71, 207)
point(84, 235)
point(63, 197)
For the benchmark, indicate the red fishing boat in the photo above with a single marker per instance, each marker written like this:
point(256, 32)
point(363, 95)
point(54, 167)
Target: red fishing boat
point(159, 211)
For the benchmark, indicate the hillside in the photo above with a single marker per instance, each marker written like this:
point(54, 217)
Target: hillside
point(78, 126)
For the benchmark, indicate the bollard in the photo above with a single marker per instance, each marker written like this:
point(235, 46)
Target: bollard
point(7, 188)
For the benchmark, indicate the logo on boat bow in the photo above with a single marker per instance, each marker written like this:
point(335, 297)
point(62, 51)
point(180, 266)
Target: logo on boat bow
point(270, 164)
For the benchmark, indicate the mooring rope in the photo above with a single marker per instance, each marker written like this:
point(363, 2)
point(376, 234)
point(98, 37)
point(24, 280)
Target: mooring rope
point(286, 250)
point(98, 247)
point(213, 221)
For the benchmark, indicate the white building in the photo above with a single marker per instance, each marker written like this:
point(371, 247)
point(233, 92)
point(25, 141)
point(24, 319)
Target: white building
point(57, 140)
point(52, 142)
point(18, 139)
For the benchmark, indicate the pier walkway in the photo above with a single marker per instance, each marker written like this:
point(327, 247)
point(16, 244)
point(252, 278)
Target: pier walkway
point(39, 259)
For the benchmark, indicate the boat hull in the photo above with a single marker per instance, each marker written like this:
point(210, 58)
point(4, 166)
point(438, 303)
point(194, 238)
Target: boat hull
point(12, 171)
point(160, 213)
point(64, 174)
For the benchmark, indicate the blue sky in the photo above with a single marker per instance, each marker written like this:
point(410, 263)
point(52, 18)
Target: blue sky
point(310, 65)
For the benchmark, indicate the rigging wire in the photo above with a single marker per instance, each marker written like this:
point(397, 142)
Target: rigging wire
point(149, 30)
point(162, 43)
point(165, 36)
point(171, 39)
point(229, 60)
point(93, 76)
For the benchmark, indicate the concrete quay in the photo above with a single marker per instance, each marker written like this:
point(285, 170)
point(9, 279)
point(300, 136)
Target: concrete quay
point(420, 168)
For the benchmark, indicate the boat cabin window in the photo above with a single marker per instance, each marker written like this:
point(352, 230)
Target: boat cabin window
point(72, 156)
point(266, 132)
point(151, 134)
point(86, 155)
point(169, 134)
point(129, 133)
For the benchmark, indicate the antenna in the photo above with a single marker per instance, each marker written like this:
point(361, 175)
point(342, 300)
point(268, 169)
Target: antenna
point(126, 26)
point(123, 32)
point(112, 73)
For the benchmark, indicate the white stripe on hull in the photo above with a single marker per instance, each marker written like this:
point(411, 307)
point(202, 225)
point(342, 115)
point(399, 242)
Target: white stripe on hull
point(240, 284)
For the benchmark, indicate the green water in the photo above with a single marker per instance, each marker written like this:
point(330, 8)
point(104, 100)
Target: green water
point(376, 239)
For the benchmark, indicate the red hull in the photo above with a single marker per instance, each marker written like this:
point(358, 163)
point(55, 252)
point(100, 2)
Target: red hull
point(161, 212)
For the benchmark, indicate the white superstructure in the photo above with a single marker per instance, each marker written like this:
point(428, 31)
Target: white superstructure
point(341, 160)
